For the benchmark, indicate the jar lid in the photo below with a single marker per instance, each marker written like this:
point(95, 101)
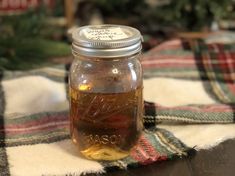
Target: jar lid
point(106, 41)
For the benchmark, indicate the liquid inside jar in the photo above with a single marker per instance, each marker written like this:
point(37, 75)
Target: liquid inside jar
point(105, 126)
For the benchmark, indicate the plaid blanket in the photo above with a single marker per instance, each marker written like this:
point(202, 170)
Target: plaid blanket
point(190, 83)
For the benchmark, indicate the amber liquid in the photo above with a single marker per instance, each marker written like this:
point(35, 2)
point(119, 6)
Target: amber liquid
point(105, 126)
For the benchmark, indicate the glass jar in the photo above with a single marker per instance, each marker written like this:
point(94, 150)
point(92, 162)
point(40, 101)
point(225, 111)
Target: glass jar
point(105, 88)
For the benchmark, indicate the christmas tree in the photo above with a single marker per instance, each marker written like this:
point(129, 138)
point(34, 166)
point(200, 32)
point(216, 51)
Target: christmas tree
point(25, 40)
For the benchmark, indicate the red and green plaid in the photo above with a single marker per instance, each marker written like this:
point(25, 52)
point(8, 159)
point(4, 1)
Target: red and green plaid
point(212, 63)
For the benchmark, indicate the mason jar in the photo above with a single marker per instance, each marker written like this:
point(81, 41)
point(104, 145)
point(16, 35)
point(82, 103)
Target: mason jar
point(105, 88)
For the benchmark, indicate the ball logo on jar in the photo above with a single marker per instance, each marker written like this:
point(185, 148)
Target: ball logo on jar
point(107, 107)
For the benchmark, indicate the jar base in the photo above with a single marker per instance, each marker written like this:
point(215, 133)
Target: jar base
point(105, 153)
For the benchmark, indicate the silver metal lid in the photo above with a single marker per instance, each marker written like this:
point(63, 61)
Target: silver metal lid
point(106, 41)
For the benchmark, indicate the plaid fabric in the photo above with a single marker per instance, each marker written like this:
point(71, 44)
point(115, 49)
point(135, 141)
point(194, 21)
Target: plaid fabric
point(19, 129)
point(31, 137)
point(214, 64)
point(218, 61)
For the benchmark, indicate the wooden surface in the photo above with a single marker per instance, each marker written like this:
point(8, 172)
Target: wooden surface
point(69, 12)
point(219, 161)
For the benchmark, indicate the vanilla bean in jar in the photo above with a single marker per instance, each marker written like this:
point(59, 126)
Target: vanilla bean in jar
point(105, 88)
